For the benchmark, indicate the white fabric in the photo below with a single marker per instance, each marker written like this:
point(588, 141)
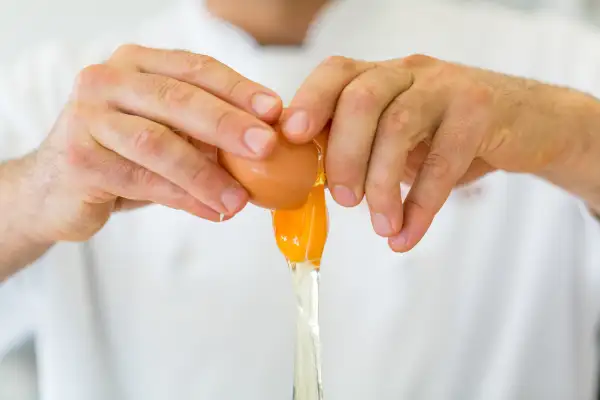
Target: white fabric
point(499, 302)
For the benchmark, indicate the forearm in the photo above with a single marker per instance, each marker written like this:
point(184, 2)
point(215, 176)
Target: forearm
point(19, 244)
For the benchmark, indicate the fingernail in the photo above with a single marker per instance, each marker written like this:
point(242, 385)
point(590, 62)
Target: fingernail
point(344, 196)
point(258, 140)
point(382, 225)
point(234, 199)
point(297, 124)
point(400, 241)
point(263, 103)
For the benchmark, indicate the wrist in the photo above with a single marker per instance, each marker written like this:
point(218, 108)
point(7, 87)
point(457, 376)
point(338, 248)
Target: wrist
point(577, 167)
point(19, 194)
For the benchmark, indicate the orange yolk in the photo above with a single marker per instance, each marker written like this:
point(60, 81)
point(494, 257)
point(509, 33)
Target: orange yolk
point(301, 234)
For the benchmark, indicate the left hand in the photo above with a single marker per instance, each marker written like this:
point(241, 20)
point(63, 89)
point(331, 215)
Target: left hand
point(432, 124)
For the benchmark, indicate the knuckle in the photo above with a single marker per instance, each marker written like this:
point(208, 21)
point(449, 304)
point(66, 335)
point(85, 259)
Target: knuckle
point(233, 87)
point(396, 75)
point(377, 189)
point(78, 152)
point(150, 140)
point(121, 174)
point(225, 123)
point(80, 159)
point(75, 115)
point(173, 93)
point(141, 176)
point(130, 175)
point(416, 61)
point(92, 77)
point(395, 119)
point(126, 51)
point(437, 165)
point(78, 156)
point(419, 205)
point(201, 176)
point(340, 62)
point(404, 120)
point(196, 64)
point(360, 98)
point(350, 172)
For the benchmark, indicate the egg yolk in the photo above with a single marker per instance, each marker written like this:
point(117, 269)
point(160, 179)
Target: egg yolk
point(301, 234)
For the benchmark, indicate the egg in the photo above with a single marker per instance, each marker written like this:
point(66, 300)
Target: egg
point(283, 180)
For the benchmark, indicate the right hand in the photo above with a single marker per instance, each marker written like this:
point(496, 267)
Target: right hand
point(143, 128)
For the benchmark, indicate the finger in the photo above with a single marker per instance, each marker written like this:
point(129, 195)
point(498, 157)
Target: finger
point(204, 72)
point(124, 204)
point(353, 129)
point(178, 105)
point(120, 177)
point(414, 161)
point(160, 150)
point(384, 194)
point(477, 169)
point(452, 151)
point(409, 121)
point(206, 149)
point(314, 103)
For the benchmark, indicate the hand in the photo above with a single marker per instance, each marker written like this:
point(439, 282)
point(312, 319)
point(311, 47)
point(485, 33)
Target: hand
point(434, 125)
point(143, 128)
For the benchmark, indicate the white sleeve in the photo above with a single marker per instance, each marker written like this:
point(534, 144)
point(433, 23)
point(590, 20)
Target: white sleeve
point(590, 256)
point(591, 226)
point(16, 313)
point(584, 63)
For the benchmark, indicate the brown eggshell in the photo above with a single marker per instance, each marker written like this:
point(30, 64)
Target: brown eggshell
point(283, 180)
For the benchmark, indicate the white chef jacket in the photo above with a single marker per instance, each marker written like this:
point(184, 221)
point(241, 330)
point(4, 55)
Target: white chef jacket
point(499, 302)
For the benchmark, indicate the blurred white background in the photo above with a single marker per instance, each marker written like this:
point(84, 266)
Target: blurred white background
point(583, 9)
point(24, 23)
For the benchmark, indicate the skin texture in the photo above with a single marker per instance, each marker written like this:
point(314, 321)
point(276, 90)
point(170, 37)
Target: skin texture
point(19, 245)
point(437, 125)
point(144, 128)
